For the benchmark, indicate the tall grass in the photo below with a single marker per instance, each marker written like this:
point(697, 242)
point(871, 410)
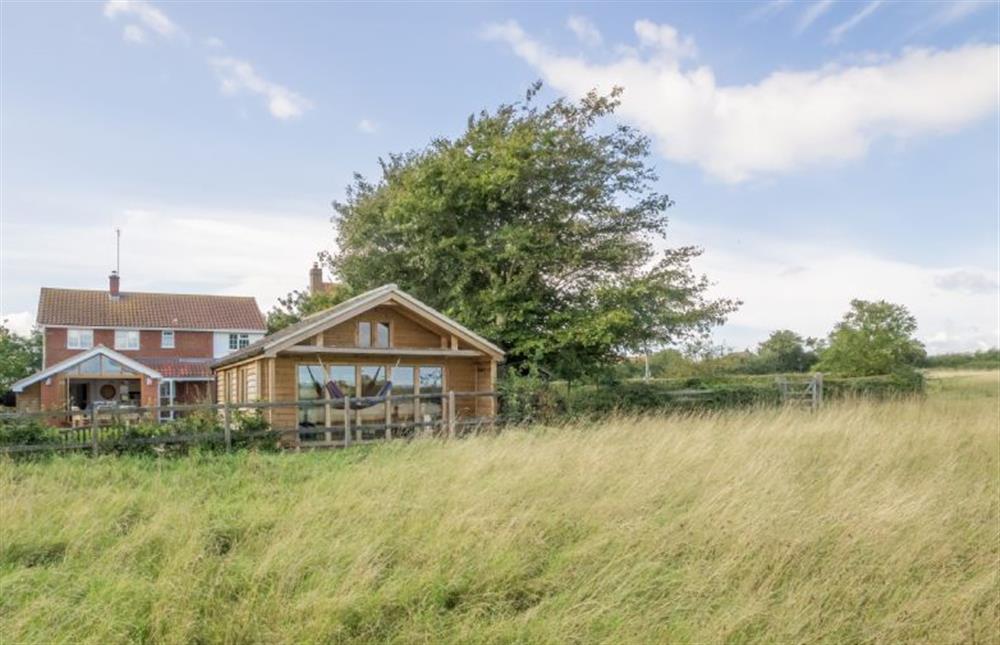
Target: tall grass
point(861, 523)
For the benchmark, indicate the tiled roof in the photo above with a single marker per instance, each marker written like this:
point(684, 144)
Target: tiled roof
point(89, 308)
point(180, 367)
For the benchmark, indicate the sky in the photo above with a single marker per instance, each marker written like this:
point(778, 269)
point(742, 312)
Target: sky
point(817, 151)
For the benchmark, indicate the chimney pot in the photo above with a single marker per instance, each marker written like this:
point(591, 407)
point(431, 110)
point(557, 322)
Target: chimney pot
point(113, 282)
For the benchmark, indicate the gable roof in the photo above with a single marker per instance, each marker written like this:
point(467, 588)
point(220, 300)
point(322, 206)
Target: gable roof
point(313, 324)
point(91, 308)
point(76, 359)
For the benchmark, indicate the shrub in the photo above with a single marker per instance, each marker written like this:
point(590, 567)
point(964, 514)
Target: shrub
point(28, 431)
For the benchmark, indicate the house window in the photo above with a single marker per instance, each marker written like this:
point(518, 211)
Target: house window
point(126, 339)
point(370, 335)
point(381, 334)
point(310, 381)
point(167, 339)
point(238, 341)
point(79, 338)
point(430, 380)
point(364, 334)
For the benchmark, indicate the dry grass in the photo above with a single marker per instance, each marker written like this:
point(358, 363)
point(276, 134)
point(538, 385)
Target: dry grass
point(863, 523)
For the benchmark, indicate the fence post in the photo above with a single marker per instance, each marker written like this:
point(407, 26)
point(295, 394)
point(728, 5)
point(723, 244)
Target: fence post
point(347, 421)
point(783, 388)
point(388, 416)
point(95, 445)
point(451, 414)
point(226, 427)
point(817, 390)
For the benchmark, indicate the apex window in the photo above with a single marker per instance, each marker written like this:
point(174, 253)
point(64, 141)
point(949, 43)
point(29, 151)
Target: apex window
point(79, 338)
point(373, 334)
point(126, 339)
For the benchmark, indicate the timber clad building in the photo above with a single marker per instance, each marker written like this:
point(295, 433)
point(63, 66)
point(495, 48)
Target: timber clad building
point(384, 334)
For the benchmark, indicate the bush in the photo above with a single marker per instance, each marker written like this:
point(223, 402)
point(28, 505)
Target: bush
point(528, 398)
point(29, 431)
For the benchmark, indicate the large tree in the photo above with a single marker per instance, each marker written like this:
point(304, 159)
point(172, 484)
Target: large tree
point(873, 338)
point(534, 227)
point(785, 351)
point(20, 356)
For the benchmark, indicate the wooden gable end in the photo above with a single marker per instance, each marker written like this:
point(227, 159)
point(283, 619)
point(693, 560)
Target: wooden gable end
point(406, 330)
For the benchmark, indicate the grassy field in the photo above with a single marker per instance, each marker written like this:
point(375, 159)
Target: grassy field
point(862, 523)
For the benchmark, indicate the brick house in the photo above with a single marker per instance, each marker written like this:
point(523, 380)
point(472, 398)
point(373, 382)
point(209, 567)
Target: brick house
point(122, 348)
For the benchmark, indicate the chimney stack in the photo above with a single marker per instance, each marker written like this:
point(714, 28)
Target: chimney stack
point(315, 279)
point(113, 284)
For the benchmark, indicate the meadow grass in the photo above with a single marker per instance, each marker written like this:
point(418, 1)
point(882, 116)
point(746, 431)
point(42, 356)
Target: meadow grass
point(864, 522)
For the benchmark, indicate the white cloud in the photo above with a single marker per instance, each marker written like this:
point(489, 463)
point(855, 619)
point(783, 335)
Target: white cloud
point(167, 248)
point(214, 42)
point(19, 322)
point(144, 13)
point(810, 15)
point(367, 126)
point(585, 30)
point(769, 9)
point(807, 287)
point(665, 39)
point(238, 76)
point(838, 32)
point(788, 119)
point(965, 281)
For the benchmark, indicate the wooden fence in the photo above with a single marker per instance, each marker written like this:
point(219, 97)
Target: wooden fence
point(109, 429)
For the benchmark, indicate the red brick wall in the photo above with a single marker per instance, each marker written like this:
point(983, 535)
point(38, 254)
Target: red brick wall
point(187, 344)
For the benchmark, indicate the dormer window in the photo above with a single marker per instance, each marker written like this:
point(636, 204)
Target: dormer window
point(373, 334)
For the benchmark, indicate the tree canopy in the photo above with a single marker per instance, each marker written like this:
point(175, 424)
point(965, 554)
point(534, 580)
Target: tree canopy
point(20, 356)
point(873, 338)
point(785, 351)
point(536, 228)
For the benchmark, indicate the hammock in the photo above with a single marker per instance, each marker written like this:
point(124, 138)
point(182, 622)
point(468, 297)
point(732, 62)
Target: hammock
point(359, 403)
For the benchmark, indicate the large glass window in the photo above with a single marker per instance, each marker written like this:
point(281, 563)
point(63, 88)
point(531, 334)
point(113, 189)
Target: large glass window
point(431, 381)
point(373, 377)
point(344, 377)
point(126, 339)
point(310, 388)
point(91, 366)
point(382, 334)
point(403, 384)
point(79, 338)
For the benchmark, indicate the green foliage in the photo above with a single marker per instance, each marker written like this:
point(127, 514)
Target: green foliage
point(535, 228)
point(983, 359)
point(19, 356)
point(526, 398)
point(873, 338)
point(27, 431)
point(298, 304)
point(784, 351)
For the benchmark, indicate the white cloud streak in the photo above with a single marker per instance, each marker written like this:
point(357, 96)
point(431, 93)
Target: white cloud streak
point(585, 30)
point(145, 14)
point(838, 32)
point(810, 15)
point(787, 120)
point(367, 126)
point(238, 76)
point(807, 287)
point(134, 34)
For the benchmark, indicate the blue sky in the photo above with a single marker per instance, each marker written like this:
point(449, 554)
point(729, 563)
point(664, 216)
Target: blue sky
point(818, 151)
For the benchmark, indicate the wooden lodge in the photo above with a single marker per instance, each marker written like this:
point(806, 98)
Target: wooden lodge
point(379, 336)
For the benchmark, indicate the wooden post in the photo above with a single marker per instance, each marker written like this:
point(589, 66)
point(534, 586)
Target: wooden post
point(817, 390)
point(347, 420)
point(226, 428)
point(451, 414)
point(95, 445)
point(388, 416)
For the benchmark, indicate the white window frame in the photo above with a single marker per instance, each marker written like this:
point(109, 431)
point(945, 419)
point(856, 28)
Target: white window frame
point(238, 341)
point(75, 338)
point(127, 335)
point(164, 335)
